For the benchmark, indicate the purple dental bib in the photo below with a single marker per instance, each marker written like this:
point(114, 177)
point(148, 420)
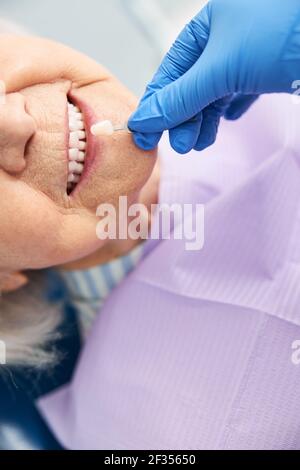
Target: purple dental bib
point(201, 349)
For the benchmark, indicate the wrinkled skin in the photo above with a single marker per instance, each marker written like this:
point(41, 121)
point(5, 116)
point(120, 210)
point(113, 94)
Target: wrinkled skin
point(41, 225)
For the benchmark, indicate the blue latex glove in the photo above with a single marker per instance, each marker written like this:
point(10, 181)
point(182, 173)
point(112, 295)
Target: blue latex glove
point(230, 53)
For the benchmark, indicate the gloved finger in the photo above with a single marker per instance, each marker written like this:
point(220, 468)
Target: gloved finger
point(181, 100)
point(184, 53)
point(184, 137)
point(239, 105)
point(146, 141)
point(211, 121)
point(208, 134)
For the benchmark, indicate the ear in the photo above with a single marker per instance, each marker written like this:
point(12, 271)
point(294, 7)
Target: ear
point(13, 281)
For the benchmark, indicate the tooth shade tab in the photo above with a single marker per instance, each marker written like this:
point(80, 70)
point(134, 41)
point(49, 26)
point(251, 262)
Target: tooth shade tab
point(106, 128)
point(103, 128)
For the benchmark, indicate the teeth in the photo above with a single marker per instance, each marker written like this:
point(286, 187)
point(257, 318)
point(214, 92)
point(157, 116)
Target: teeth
point(73, 108)
point(77, 146)
point(81, 157)
point(77, 139)
point(81, 135)
point(73, 178)
point(76, 125)
point(73, 154)
point(78, 116)
point(75, 167)
point(74, 140)
point(81, 145)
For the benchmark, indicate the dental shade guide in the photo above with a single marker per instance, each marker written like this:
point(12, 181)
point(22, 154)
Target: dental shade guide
point(106, 128)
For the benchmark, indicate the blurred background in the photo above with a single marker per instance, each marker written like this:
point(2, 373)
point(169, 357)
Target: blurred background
point(127, 36)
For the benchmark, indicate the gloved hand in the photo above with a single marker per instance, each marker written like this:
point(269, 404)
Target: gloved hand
point(230, 53)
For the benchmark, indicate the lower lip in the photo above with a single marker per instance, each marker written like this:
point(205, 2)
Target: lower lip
point(94, 147)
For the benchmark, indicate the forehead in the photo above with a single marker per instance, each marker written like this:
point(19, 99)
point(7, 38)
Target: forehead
point(29, 60)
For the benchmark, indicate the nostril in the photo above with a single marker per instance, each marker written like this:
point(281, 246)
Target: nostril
point(19, 166)
point(31, 129)
point(27, 126)
point(26, 149)
point(15, 164)
point(17, 128)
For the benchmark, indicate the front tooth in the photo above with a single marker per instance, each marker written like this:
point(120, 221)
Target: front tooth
point(81, 157)
point(75, 125)
point(75, 167)
point(72, 113)
point(81, 145)
point(79, 168)
point(73, 154)
point(71, 178)
point(79, 116)
point(72, 124)
point(81, 135)
point(74, 140)
point(72, 167)
point(73, 108)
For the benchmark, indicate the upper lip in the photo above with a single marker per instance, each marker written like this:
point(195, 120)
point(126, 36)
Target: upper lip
point(92, 143)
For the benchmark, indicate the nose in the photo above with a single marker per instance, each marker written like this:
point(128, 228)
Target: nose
point(16, 129)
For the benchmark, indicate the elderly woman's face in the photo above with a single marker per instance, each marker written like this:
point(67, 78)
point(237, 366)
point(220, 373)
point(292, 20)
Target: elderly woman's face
point(44, 220)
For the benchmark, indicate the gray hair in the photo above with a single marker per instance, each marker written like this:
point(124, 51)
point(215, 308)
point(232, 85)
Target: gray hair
point(28, 325)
